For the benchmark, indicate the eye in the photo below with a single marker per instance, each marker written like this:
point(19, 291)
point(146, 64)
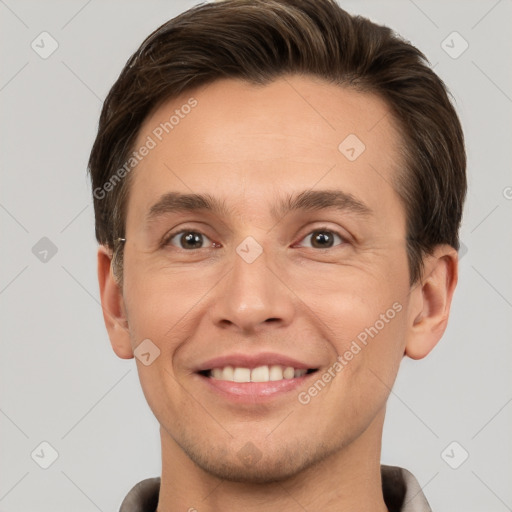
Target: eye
point(323, 238)
point(187, 239)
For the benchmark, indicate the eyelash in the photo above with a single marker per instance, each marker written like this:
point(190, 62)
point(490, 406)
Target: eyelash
point(166, 241)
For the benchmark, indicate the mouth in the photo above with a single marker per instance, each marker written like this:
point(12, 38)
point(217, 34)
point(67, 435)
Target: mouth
point(261, 384)
point(264, 373)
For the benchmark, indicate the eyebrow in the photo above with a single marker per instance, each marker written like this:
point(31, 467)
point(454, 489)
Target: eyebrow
point(307, 200)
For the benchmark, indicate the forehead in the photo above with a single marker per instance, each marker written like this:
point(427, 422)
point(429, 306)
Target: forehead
point(232, 138)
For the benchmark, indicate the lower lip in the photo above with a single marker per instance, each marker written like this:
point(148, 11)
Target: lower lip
point(251, 392)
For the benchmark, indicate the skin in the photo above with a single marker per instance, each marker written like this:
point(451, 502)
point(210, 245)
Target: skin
point(251, 145)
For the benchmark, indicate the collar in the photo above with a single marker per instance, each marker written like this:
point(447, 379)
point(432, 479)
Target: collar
point(401, 490)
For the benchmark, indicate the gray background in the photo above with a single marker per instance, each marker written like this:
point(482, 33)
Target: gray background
point(60, 380)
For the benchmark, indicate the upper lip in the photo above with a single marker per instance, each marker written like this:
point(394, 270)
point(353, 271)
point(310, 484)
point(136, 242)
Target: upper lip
point(253, 361)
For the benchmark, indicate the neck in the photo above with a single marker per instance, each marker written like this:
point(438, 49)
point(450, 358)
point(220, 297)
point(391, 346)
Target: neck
point(347, 481)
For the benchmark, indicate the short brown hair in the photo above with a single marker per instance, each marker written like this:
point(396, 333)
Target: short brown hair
point(260, 40)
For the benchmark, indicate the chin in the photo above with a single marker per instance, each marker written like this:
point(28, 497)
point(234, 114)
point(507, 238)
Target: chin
point(251, 465)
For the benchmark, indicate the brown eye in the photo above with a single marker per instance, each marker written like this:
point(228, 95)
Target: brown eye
point(323, 238)
point(187, 239)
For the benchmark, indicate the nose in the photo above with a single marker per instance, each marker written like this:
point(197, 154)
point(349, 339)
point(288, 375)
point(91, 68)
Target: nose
point(252, 296)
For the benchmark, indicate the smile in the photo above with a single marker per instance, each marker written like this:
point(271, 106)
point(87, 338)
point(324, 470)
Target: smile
point(264, 373)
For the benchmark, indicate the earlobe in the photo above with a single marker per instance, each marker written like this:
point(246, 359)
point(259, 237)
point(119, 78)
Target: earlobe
point(112, 303)
point(430, 302)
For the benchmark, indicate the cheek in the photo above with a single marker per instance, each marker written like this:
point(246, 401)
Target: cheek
point(157, 311)
point(365, 327)
point(158, 300)
point(354, 308)
point(369, 351)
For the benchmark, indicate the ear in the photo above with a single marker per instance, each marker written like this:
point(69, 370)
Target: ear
point(431, 298)
point(112, 303)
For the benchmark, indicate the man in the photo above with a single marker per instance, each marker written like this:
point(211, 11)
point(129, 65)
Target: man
point(278, 190)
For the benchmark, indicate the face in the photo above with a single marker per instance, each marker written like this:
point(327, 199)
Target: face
point(279, 312)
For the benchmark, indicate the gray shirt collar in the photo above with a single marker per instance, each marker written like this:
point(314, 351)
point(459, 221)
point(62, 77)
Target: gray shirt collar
point(401, 490)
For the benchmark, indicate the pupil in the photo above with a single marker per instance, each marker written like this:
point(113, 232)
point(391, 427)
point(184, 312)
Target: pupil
point(193, 238)
point(322, 236)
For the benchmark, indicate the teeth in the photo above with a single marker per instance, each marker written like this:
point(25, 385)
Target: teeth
point(276, 372)
point(227, 373)
point(242, 375)
point(217, 373)
point(289, 372)
point(260, 374)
